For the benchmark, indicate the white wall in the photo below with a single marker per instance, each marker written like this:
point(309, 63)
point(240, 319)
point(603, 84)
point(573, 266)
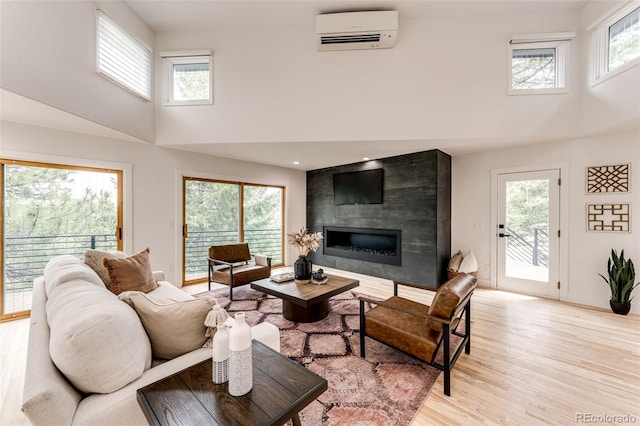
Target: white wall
point(588, 251)
point(445, 79)
point(48, 55)
point(156, 200)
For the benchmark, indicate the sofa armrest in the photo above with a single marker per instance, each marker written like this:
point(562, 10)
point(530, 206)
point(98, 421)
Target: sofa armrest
point(159, 276)
point(48, 398)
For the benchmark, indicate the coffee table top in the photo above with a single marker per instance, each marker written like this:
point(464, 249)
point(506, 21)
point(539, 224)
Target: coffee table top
point(305, 294)
point(281, 388)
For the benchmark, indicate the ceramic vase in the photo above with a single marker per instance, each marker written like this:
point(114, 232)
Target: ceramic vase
point(302, 270)
point(240, 363)
point(220, 356)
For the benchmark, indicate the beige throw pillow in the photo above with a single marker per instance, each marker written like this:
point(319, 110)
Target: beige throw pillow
point(456, 259)
point(469, 263)
point(174, 327)
point(131, 274)
point(93, 258)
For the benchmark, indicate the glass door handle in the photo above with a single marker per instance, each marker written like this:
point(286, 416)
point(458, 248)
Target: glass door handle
point(501, 235)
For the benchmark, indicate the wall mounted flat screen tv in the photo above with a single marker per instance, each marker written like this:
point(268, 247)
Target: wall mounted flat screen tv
point(364, 187)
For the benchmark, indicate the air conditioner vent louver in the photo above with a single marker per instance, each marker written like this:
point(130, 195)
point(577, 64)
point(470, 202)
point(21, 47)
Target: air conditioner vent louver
point(364, 38)
point(357, 30)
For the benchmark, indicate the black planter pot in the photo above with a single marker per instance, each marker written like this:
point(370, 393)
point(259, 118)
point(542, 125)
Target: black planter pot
point(302, 270)
point(620, 308)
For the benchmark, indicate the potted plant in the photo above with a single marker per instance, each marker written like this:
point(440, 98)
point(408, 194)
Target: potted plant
point(621, 282)
point(305, 242)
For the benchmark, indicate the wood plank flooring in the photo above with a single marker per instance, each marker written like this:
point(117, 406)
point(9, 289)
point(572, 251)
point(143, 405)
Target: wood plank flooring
point(533, 362)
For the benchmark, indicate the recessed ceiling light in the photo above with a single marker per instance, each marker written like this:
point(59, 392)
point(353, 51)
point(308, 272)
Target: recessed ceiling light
point(296, 162)
point(365, 158)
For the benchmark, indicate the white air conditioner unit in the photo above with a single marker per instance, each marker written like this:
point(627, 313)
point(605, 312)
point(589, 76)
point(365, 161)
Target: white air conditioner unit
point(357, 30)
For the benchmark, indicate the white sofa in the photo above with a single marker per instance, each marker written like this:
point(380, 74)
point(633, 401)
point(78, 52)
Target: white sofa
point(70, 290)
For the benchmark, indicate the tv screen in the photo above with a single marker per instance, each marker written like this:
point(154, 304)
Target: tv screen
point(363, 187)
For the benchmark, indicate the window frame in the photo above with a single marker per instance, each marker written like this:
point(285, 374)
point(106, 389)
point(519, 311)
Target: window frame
point(558, 42)
point(121, 173)
point(144, 94)
point(599, 44)
point(180, 58)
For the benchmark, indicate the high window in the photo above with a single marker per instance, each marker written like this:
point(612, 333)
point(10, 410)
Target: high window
point(122, 57)
point(187, 78)
point(538, 63)
point(49, 210)
point(219, 212)
point(615, 42)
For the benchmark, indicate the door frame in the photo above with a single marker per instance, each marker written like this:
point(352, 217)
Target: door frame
point(563, 261)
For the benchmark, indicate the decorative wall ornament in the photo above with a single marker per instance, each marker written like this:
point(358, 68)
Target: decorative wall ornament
point(603, 179)
point(613, 217)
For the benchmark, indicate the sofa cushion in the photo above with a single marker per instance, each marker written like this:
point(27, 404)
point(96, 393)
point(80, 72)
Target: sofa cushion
point(93, 258)
point(64, 268)
point(469, 263)
point(174, 327)
point(132, 273)
point(456, 259)
point(96, 341)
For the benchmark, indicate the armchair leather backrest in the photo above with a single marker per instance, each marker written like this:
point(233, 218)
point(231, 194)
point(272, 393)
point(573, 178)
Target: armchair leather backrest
point(446, 303)
point(231, 253)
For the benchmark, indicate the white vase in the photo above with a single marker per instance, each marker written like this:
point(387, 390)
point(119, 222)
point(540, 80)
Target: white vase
point(220, 356)
point(240, 364)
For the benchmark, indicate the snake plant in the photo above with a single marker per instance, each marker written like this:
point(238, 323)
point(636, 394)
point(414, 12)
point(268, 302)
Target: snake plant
point(621, 277)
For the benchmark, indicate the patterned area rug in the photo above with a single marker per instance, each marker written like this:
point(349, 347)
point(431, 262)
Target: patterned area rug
point(386, 388)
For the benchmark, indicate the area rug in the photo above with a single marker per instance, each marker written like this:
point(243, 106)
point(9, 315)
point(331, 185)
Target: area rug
point(386, 388)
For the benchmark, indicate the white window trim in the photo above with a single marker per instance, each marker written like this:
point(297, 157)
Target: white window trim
point(557, 41)
point(145, 46)
point(185, 57)
point(599, 49)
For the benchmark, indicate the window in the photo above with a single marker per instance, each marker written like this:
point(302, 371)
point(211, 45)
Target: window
point(616, 42)
point(538, 63)
point(220, 212)
point(50, 210)
point(122, 57)
point(187, 78)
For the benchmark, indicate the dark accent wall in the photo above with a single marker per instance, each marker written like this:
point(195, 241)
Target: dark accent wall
point(417, 200)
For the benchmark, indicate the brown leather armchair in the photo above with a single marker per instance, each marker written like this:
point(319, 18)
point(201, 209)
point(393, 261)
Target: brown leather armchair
point(420, 330)
point(229, 264)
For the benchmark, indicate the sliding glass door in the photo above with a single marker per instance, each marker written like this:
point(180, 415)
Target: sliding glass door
point(219, 212)
point(49, 210)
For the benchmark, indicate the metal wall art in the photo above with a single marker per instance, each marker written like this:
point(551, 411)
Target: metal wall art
point(609, 217)
point(607, 179)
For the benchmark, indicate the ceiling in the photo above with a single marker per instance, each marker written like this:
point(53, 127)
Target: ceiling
point(176, 15)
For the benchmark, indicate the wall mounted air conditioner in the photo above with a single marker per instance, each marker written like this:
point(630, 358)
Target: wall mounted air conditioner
point(357, 30)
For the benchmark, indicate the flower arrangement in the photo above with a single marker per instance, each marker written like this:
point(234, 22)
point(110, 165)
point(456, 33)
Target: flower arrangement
point(304, 241)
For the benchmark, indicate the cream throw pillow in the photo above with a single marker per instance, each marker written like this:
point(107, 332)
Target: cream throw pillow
point(93, 258)
point(131, 274)
point(456, 259)
point(469, 263)
point(173, 327)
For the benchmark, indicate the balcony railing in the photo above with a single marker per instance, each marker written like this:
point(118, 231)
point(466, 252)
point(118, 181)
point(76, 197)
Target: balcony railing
point(26, 257)
point(533, 250)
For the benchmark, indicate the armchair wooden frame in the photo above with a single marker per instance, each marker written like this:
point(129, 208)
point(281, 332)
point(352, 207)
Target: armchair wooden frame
point(449, 327)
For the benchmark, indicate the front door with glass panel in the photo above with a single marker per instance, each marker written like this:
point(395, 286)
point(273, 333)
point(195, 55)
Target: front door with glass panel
point(528, 239)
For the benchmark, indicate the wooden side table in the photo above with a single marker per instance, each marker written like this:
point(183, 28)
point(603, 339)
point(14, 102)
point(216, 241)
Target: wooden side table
point(281, 388)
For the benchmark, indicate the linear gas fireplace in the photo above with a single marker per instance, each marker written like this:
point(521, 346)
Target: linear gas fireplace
point(370, 245)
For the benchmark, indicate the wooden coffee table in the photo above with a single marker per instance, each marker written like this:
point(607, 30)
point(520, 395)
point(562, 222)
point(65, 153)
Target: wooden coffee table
point(305, 302)
point(281, 388)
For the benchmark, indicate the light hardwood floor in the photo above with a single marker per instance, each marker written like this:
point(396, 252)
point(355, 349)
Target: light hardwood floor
point(533, 362)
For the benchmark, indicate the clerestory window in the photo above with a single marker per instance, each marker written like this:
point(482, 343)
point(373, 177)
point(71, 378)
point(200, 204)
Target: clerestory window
point(615, 42)
point(122, 57)
point(187, 78)
point(538, 63)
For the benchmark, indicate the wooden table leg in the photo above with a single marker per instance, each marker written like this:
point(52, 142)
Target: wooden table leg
point(296, 420)
point(311, 313)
